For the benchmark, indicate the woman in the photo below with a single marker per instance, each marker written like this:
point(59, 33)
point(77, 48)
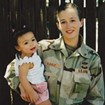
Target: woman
point(73, 70)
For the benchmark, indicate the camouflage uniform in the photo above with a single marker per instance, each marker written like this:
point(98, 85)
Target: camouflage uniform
point(72, 79)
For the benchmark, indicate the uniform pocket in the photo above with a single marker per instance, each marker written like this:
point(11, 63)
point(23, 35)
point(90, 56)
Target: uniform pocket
point(82, 81)
point(53, 87)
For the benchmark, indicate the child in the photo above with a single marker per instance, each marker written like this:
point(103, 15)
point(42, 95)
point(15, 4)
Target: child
point(29, 68)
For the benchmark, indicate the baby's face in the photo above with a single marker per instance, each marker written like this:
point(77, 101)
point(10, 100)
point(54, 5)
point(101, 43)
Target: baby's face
point(27, 44)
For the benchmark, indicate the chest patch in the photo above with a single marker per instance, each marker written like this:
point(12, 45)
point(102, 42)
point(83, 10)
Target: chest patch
point(52, 63)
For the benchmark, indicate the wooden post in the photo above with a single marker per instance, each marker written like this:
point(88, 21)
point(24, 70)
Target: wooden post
point(91, 23)
point(53, 32)
point(101, 39)
point(4, 54)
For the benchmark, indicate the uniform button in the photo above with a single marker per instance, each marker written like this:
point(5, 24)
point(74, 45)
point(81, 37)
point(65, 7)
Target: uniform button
point(85, 54)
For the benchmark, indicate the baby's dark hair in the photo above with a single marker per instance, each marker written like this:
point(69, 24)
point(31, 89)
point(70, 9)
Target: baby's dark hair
point(64, 6)
point(18, 33)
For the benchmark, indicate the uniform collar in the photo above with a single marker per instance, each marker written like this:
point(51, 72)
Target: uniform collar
point(56, 44)
point(82, 50)
point(59, 45)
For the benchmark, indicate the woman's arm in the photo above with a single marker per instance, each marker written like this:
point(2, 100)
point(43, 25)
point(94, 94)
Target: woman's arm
point(10, 76)
point(96, 93)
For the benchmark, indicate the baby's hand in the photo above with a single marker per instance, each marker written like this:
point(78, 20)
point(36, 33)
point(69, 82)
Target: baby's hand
point(24, 68)
point(31, 65)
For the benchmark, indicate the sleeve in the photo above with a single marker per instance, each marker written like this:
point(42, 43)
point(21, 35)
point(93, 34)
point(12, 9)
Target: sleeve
point(96, 93)
point(26, 60)
point(12, 79)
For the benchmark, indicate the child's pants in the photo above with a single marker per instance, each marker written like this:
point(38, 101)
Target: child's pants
point(42, 91)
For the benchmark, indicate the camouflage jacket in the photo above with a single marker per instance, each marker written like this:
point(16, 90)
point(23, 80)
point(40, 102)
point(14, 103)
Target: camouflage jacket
point(75, 79)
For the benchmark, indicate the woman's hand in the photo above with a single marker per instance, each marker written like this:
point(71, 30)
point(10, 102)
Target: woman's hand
point(33, 96)
point(23, 94)
point(29, 95)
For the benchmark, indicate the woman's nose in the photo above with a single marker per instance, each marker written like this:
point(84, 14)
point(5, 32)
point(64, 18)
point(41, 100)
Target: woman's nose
point(68, 25)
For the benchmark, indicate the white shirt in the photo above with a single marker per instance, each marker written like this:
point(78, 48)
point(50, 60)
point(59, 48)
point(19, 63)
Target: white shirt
point(35, 75)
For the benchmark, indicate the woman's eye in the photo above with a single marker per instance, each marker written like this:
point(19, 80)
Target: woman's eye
point(63, 22)
point(72, 20)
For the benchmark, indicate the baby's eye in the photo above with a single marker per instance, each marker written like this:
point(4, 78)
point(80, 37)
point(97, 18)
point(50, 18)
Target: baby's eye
point(26, 43)
point(33, 39)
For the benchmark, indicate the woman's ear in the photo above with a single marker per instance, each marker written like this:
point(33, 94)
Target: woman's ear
point(57, 25)
point(82, 22)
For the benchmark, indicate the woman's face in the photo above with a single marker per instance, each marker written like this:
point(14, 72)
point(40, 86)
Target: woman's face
point(69, 23)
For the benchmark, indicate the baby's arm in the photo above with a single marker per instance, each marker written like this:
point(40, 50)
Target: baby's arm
point(27, 88)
